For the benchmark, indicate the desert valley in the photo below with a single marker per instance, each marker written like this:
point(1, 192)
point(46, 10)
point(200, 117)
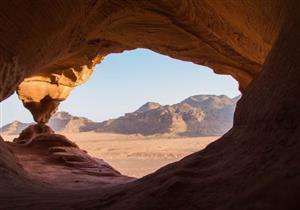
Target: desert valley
point(136, 155)
point(143, 141)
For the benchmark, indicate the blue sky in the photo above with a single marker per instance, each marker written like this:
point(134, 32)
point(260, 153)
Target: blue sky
point(123, 82)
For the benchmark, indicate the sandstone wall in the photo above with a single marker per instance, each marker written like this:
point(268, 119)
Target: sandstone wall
point(56, 44)
point(254, 166)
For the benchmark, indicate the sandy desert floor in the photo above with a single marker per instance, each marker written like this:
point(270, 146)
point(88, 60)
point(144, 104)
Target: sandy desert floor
point(136, 155)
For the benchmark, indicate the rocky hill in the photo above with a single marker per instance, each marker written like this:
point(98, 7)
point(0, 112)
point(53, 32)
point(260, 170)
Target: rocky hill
point(60, 122)
point(199, 115)
point(13, 128)
point(67, 123)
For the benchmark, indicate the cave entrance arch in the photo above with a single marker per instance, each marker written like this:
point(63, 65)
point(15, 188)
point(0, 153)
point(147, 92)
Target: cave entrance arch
point(128, 92)
point(253, 164)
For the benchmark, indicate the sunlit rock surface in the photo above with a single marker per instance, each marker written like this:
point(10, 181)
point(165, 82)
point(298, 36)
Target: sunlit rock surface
point(253, 166)
point(42, 93)
point(199, 115)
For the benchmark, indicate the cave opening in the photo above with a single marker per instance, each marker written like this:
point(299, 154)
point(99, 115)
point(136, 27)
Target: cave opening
point(54, 45)
point(139, 111)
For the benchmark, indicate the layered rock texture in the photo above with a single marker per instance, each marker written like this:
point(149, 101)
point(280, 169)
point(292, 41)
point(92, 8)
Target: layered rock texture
point(253, 166)
point(42, 93)
point(54, 159)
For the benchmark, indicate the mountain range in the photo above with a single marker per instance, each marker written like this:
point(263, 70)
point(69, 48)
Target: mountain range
point(199, 115)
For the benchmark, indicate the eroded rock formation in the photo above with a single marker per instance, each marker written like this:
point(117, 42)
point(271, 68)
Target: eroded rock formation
point(54, 159)
point(42, 93)
point(254, 166)
point(57, 50)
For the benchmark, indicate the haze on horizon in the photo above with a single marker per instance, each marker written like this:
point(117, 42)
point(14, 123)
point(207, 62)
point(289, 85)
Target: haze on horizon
point(125, 81)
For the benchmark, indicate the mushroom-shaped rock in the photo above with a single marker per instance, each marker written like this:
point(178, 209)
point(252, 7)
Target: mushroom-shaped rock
point(42, 93)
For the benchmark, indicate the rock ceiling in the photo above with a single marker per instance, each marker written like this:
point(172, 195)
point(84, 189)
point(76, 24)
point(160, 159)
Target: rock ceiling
point(56, 45)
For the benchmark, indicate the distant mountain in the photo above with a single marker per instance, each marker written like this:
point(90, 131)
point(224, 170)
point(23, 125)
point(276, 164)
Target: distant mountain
point(67, 123)
point(199, 115)
point(218, 111)
point(148, 106)
point(60, 122)
point(13, 128)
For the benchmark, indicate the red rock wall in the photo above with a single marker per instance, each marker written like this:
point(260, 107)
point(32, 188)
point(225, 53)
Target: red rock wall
point(58, 43)
point(254, 166)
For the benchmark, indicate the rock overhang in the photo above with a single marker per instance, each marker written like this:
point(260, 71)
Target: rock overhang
point(235, 37)
point(69, 47)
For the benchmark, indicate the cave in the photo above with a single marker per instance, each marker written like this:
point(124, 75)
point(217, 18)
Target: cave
point(50, 47)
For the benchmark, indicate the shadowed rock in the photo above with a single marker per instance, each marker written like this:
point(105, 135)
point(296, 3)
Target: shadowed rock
point(253, 166)
point(31, 132)
point(46, 156)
